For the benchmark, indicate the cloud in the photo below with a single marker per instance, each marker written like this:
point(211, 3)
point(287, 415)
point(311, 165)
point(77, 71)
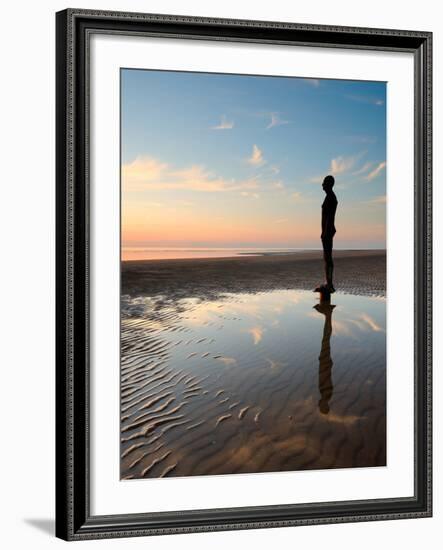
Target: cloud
point(367, 166)
point(225, 124)
point(143, 170)
point(296, 195)
point(275, 169)
point(276, 121)
point(256, 158)
point(282, 220)
point(341, 165)
point(372, 175)
point(149, 174)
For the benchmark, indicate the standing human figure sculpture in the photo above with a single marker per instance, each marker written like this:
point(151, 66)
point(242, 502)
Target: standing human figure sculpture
point(328, 231)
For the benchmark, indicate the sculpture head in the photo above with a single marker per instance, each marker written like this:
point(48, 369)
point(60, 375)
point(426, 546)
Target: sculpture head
point(328, 183)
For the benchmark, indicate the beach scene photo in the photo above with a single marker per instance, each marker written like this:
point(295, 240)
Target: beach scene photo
point(253, 274)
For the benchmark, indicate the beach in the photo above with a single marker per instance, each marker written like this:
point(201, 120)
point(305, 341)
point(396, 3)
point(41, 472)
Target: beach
point(230, 365)
point(360, 272)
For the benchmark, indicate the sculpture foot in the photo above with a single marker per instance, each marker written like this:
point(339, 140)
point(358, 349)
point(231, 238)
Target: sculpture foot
point(325, 292)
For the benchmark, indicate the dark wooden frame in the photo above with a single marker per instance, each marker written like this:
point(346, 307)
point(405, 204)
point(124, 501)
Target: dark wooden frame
point(73, 518)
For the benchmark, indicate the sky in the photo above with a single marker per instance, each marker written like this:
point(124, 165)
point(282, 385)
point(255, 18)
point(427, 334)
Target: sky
point(216, 160)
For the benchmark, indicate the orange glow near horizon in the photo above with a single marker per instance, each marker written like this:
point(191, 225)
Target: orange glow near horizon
point(191, 226)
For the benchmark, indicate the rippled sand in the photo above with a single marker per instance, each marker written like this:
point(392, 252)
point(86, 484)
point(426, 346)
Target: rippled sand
point(235, 382)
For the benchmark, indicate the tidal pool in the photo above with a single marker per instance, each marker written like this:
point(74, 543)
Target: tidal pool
point(248, 383)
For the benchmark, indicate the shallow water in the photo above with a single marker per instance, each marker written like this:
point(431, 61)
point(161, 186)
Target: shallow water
point(156, 253)
point(252, 383)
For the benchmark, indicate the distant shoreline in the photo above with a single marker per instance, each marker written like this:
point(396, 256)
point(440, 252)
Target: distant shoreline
point(302, 252)
point(356, 271)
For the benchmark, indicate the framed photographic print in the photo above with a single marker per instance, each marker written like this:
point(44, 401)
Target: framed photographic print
point(243, 274)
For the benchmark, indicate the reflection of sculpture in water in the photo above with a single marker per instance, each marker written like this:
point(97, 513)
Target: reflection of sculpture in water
point(328, 209)
point(324, 361)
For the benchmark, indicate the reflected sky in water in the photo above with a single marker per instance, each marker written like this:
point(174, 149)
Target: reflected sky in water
point(256, 331)
point(275, 377)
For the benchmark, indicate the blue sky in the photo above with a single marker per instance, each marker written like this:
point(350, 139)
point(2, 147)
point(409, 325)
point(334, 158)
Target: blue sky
point(235, 160)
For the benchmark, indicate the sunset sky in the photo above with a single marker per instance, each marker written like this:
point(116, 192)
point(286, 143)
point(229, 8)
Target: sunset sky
point(213, 160)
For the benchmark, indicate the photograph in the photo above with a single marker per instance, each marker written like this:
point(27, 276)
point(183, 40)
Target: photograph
point(252, 274)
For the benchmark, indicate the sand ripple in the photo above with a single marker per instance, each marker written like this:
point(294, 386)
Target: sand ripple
point(300, 397)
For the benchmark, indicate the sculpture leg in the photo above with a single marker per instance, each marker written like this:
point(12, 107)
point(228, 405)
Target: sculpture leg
point(329, 264)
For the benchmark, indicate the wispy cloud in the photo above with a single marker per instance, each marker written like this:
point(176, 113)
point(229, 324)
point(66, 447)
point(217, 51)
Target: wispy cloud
point(366, 99)
point(149, 174)
point(225, 124)
point(365, 168)
point(276, 120)
point(282, 220)
point(374, 173)
point(296, 195)
point(256, 158)
point(342, 165)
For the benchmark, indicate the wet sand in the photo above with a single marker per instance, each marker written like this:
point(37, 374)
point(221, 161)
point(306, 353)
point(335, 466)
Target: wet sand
point(360, 272)
point(227, 367)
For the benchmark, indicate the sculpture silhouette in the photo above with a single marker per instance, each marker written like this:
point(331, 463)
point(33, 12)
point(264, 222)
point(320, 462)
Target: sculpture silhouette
point(328, 231)
point(325, 363)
